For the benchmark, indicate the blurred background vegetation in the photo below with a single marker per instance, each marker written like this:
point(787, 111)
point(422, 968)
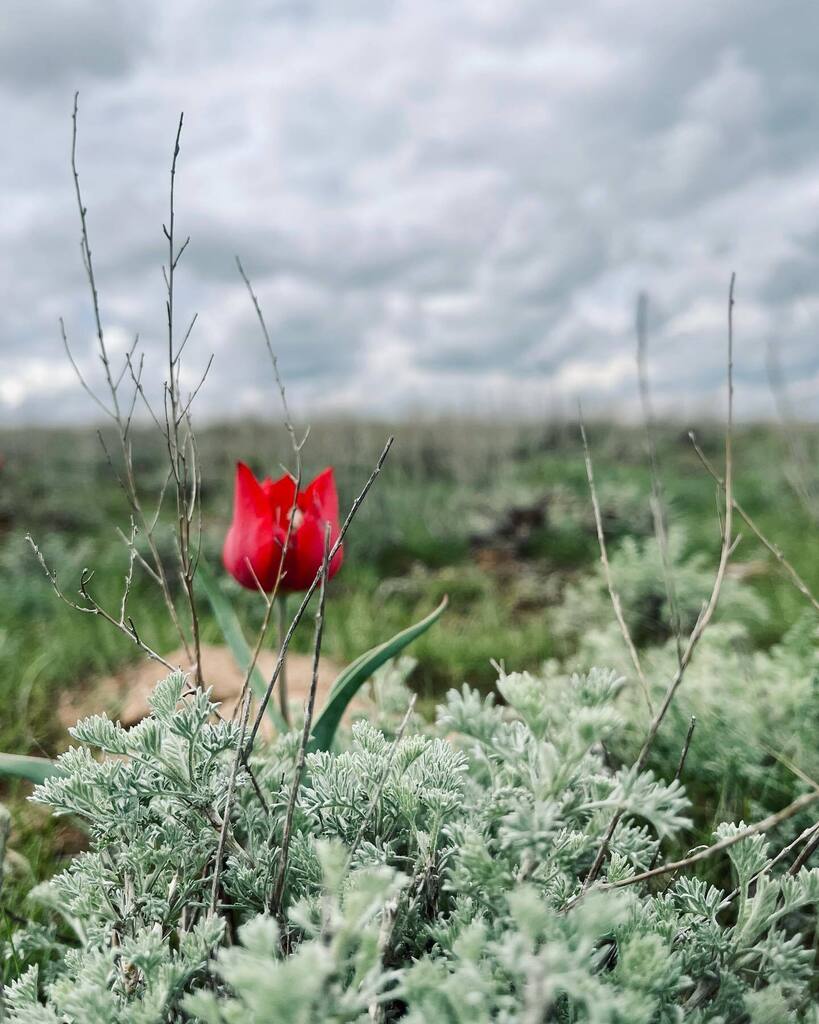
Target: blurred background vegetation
point(497, 516)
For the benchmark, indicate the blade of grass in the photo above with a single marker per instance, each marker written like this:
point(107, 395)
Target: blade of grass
point(32, 769)
point(358, 672)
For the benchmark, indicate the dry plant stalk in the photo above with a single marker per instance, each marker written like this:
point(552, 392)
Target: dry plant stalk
point(774, 549)
point(604, 558)
point(689, 735)
point(177, 432)
point(308, 595)
point(182, 444)
point(726, 549)
point(270, 600)
point(765, 825)
point(243, 749)
point(91, 607)
point(278, 888)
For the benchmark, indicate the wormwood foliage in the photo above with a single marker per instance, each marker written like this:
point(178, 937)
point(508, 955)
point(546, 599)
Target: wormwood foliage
point(431, 877)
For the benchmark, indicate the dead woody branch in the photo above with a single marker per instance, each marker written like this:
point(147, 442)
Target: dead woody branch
point(118, 405)
point(729, 543)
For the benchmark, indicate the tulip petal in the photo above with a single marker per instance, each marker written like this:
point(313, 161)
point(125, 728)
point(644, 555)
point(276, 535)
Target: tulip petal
point(306, 552)
point(281, 496)
point(250, 546)
point(318, 503)
point(321, 496)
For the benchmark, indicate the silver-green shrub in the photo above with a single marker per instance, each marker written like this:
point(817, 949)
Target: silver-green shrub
point(431, 877)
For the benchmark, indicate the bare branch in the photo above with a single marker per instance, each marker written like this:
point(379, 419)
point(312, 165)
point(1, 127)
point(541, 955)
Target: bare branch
point(146, 565)
point(91, 607)
point(309, 593)
point(128, 356)
point(278, 888)
point(85, 248)
point(774, 549)
point(704, 619)
point(805, 800)
point(678, 773)
point(274, 360)
point(136, 377)
point(604, 558)
point(187, 335)
point(808, 851)
point(185, 477)
point(297, 446)
point(196, 390)
point(88, 390)
point(129, 576)
point(686, 747)
point(123, 423)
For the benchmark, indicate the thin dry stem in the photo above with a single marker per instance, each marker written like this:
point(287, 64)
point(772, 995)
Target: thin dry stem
point(808, 851)
point(297, 477)
point(678, 773)
point(121, 420)
point(123, 624)
point(811, 832)
point(765, 825)
point(686, 747)
point(297, 445)
point(604, 558)
point(278, 888)
point(181, 447)
point(774, 549)
point(281, 632)
point(704, 619)
point(309, 593)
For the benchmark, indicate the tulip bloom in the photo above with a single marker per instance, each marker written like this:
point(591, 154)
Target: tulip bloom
point(254, 546)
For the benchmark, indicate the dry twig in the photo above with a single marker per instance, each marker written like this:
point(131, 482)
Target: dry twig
point(121, 413)
point(765, 825)
point(704, 619)
point(308, 594)
point(774, 549)
point(297, 450)
point(182, 445)
point(278, 888)
point(92, 607)
point(604, 558)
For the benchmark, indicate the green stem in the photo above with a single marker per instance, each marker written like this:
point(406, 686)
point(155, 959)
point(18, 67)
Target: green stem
point(281, 623)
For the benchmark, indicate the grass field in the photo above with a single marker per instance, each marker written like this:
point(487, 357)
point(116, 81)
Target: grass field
point(496, 516)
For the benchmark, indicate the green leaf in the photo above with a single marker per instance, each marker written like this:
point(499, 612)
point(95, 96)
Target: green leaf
point(235, 639)
point(32, 769)
point(358, 672)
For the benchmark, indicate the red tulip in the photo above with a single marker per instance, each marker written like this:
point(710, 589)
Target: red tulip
point(254, 545)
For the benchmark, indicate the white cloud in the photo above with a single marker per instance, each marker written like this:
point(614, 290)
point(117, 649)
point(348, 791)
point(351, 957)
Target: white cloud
point(439, 203)
point(31, 378)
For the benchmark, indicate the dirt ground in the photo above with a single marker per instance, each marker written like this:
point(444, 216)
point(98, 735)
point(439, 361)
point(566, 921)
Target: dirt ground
point(124, 696)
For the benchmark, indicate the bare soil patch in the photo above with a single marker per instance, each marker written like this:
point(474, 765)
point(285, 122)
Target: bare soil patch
point(124, 696)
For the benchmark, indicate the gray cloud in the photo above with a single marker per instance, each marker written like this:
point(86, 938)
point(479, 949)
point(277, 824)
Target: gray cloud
point(60, 43)
point(441, 205)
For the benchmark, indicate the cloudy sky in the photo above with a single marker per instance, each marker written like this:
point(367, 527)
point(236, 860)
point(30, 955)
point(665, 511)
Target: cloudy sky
point(442, 204)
